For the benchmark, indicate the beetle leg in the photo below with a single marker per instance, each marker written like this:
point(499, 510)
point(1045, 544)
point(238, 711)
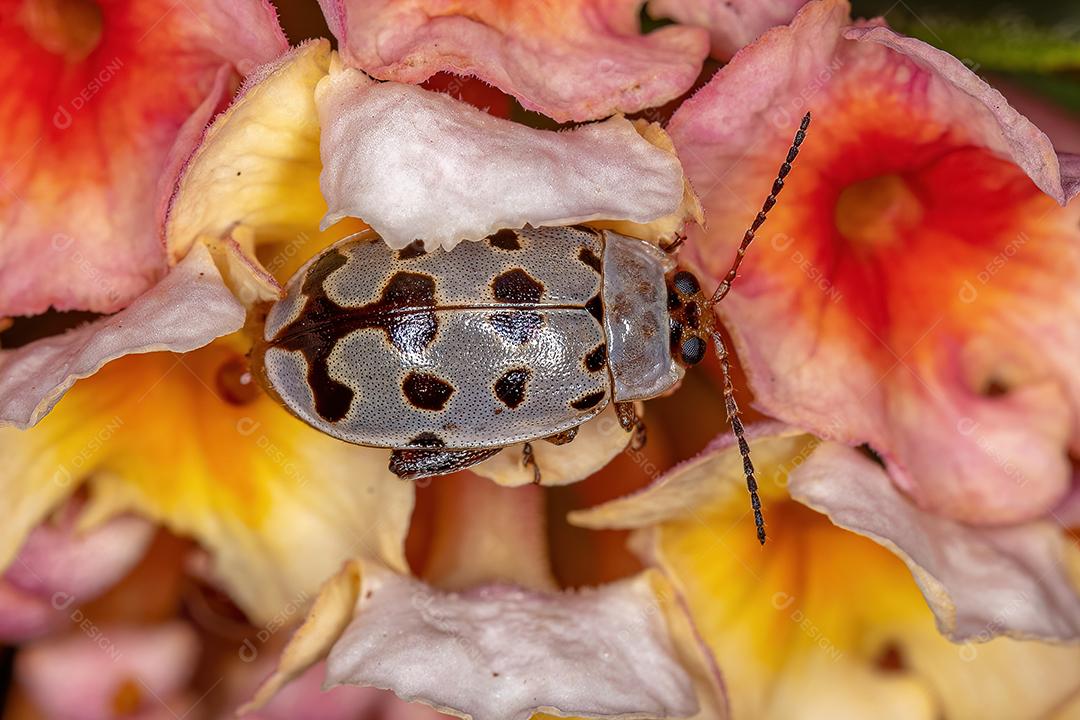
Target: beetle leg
point(562, 438)
point(527, 458)
point(675, 244)
point(630, 422)
point(417, 464)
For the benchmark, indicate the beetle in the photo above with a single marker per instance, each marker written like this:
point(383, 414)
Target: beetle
point(448, 357)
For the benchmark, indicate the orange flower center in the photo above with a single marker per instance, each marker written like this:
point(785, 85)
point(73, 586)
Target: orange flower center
point(877, 212)
point(68, 28)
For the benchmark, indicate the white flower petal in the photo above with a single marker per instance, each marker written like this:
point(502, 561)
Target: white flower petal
point(502, 653)
point(980, 582)
point(419, 164)
point(187, 309)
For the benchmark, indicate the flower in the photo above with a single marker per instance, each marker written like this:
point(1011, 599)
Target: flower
point(786, 643)
point(462, 594)
point(99, 100)
point(915, 285)
point(573, 60)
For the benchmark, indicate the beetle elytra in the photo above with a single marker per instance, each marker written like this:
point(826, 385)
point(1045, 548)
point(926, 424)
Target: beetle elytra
point(447, 357)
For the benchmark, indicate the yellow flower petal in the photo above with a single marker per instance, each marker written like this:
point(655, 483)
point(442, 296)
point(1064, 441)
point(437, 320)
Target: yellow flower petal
point(181, 439)
point(820, 622)
point(252, 185)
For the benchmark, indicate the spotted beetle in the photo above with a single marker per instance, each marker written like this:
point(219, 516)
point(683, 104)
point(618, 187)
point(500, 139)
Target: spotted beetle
point(447, 357)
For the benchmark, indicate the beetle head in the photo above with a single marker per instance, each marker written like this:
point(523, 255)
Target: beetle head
point(690, 317)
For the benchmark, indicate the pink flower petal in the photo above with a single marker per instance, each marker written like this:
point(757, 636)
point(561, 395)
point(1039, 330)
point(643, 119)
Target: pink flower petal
point(980, 582)
point(913, 288)
point(95, 96)
point(58, 559)
point(576, 60)
point(186, 310)
point(305, 699)
point(502, 653)
point(108, 671)
point(24, 615)
point(488, 173)
point(59, 568)
point(984, 112)
point(731, 23)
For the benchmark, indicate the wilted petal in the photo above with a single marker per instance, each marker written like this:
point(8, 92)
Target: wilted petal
point(913, 288)
point(95, 95)
point(186, 310)
point(501, 653)
point(115, 671)
point(731, 23)
point(980, 582)
point(489, 173)
point(251, 187)
point(577, 60)
point(330, 614)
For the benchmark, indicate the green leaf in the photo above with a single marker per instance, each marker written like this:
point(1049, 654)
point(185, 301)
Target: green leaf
point(1003, 44)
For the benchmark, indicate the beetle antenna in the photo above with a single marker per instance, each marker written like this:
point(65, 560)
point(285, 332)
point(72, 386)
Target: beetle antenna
point(778, 185)
point(732, 409)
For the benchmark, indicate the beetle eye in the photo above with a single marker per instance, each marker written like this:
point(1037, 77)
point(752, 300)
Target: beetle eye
point(686, 283)
point(693, 350)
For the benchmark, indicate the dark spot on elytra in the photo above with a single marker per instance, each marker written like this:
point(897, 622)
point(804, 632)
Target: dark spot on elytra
point(505, 240)
point(590, 258)
point(586, 228)
point(425, 391)
point(517, 287)
point(404, 311)
point(409, 289)
point(597, 358)
point(692, 315)
point(414, 249)
point(674, 302)
point(427, 439)
point(510, 388)
point(595, 306)
point(649, 326)
point(588, 401)
point(517, 326)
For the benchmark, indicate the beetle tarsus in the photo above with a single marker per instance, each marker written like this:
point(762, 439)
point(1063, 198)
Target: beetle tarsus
point(527, 459)
point(630, 422)
point(675, 244)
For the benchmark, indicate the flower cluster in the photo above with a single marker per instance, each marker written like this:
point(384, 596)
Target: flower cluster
point(175, 543)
